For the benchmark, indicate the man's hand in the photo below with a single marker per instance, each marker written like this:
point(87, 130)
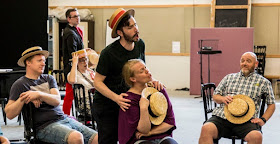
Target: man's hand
point(157, 85)
point(29, 96)
point(37, 103)
point(258, 121)
point(227, 99)
point(123, 102)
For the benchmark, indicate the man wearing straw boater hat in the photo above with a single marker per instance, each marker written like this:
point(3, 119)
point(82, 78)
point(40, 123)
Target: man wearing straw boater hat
point(109, 84)
point(239, 95)
point(51, 124)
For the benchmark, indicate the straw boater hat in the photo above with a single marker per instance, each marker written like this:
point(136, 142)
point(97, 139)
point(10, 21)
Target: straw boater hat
point(240, 110)
point(30, 52)
point(90, 53)
point(158, 105)
point(93, 58)
point(117, 17)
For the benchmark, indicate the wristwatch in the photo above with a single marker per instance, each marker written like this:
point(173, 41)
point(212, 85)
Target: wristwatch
point(263, 119)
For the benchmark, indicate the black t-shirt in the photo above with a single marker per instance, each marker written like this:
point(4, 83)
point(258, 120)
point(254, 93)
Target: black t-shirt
point(111, 62)
point(46, 113)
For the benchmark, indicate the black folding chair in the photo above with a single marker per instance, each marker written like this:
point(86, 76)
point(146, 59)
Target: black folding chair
point(207, 90)
point(207, 94)
point(260, 51)
point(30, 133)
point(91, 94)
point(4, 101)
point(60, 79)
point(80, 105)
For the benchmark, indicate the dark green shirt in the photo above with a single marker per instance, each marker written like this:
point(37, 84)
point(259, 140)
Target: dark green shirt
point(111, 62)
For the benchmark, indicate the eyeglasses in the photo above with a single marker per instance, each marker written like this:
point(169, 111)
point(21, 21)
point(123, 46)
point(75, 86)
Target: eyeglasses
point(75, 16)
point(83, 59)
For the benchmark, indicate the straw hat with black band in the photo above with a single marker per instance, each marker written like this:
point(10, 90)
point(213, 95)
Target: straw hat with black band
point(117, 17)
point(30, 52)
point(240, 110)
point(158, 105)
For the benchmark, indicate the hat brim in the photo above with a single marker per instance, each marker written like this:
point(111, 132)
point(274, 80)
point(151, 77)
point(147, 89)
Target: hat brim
point(148, 91)
point(158, 99)
point(245, 118)
point(114, 32)
point(23, 58)
point(157, 120)
point(154, 120)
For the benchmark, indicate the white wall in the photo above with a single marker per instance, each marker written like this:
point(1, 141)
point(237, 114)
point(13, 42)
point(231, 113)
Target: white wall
point(272, 67)
point(173, 71)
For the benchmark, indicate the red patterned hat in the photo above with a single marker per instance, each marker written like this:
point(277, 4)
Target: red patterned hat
point(117, 17)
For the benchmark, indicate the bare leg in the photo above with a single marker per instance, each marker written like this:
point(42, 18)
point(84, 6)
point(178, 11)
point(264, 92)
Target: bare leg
point(75, 137)
point(254, 137)
point(209, 132)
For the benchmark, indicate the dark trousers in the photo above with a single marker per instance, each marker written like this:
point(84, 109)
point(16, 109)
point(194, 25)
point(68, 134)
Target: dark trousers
point(106, 116)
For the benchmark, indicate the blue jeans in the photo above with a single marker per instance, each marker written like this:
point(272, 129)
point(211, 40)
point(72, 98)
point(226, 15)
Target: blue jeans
point(58, 132)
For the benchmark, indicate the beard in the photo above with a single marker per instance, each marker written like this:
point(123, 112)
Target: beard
point(129, 38)
point(247, 71)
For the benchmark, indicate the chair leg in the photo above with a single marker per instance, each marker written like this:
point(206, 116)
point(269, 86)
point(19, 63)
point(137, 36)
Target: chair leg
point(3, 103)
point(233, 140)
point(19, 119)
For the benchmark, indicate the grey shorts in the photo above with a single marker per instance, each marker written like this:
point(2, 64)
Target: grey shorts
point(228, 129)
point(58, 132)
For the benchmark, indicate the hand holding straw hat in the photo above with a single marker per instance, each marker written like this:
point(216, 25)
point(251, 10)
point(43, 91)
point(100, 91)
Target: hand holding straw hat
point(240, 110)
point(158, 105)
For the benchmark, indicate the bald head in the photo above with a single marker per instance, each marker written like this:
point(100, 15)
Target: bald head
point(253, 55)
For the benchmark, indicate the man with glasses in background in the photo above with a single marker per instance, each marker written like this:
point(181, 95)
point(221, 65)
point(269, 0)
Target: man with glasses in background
point(72, 41)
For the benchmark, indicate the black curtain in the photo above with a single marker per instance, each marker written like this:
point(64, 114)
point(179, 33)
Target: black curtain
point(23, 25)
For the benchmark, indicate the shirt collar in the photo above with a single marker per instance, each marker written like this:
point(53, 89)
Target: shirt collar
point(242, 74)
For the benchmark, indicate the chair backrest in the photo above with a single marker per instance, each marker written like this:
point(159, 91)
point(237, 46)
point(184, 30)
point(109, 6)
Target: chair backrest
point(90, 95)
point(207, 90)
point(60, 79)
point(262, 108)
point(260, 51)
point(80, 101)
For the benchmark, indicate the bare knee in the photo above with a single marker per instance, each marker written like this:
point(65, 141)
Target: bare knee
point(75, 137)
point(209, 132)
point(209, 129)
point(254, 137)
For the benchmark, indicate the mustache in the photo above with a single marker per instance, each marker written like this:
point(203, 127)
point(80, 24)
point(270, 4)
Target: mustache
point(136, 34)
